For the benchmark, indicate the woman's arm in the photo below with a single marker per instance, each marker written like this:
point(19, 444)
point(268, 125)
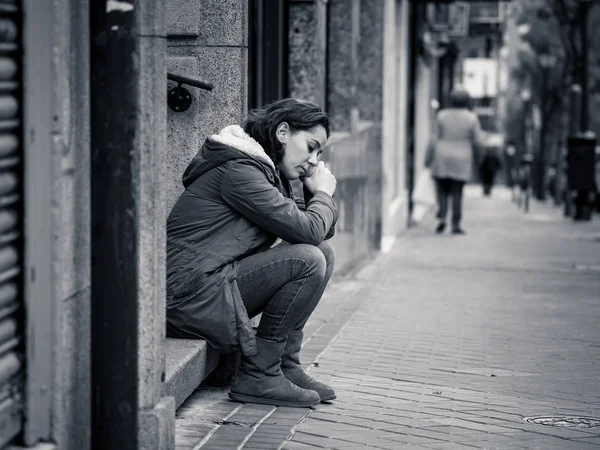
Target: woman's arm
point(246, 189)
point(302, 202)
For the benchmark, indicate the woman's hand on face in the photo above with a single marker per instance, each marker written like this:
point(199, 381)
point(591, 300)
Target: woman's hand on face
point(320, 179)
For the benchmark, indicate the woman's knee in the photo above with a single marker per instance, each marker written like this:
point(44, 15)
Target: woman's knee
point(313, 257)
point(329, 253)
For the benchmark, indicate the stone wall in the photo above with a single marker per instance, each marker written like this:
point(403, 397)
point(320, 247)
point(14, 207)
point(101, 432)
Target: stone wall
point(208, 40)
point(371, 74)
point(307, 50)
point(342, 63)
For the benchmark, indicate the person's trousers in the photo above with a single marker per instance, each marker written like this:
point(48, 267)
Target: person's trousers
point(449, 188)
point(487, 179)
point(285, 284)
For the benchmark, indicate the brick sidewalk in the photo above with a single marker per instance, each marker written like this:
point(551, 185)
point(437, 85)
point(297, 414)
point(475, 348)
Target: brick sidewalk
point(445, 343)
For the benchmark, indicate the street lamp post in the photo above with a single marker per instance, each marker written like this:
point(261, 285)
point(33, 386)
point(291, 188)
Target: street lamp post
point(546, 61)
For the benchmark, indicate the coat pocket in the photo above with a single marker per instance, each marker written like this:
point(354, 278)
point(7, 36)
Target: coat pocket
point(207, 314)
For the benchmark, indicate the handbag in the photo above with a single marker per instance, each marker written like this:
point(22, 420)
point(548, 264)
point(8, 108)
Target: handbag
point(424, 195)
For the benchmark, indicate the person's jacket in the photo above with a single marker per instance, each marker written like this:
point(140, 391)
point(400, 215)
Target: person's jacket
point(456, 141)
point(235, 204)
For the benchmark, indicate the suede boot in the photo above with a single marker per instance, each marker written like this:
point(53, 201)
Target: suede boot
point(260, 380)
point(291, 368)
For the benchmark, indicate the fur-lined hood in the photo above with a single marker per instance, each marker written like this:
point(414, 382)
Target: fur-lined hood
point(231, 143)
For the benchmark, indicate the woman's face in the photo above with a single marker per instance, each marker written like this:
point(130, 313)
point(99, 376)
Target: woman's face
point(303, 149)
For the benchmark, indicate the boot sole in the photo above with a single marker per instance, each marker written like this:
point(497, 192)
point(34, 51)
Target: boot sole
point(328, 398)
point(270, 401)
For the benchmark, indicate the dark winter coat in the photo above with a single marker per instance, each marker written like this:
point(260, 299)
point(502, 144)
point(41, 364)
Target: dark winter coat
point(234, 204)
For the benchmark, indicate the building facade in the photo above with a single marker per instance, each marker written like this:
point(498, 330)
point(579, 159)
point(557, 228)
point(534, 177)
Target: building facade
point(94, 146)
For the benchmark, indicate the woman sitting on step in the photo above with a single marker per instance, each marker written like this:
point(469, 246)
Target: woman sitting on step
point(239, 243)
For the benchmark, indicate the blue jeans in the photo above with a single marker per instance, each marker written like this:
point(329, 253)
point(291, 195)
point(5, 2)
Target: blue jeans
point(285, 284)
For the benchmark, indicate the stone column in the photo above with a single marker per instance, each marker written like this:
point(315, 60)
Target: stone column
point(342, 66)
point(307, 45)
point(157, 413)
point(128, 138)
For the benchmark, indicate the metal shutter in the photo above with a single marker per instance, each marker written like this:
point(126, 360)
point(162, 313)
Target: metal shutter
point(11, 301)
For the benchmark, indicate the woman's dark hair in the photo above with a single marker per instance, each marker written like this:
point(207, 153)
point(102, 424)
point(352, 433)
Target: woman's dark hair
point(262, 123)
point(459, 98)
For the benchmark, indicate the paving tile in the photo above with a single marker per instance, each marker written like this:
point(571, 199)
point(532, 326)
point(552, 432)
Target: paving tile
point(589, 440)
point(471, 425)
point(450, 446)
point(412, 439)
point(186, 441)
point(316, 441)
point(389, 444)
point(298, 446)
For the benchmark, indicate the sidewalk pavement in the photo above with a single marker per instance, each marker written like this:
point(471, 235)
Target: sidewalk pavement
point(447, 342)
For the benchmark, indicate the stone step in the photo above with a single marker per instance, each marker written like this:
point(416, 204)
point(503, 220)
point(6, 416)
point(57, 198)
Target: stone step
point(188, 363)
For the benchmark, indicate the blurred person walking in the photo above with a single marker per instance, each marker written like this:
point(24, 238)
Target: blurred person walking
point(490, 165)
point(451, 153)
